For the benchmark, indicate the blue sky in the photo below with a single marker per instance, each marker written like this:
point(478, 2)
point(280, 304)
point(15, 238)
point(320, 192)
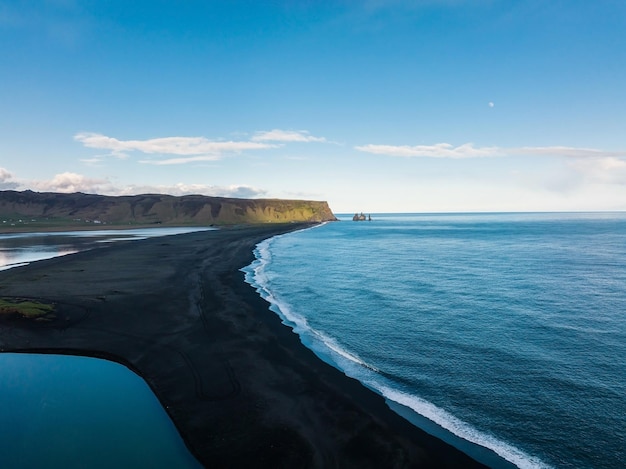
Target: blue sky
point(375, 106)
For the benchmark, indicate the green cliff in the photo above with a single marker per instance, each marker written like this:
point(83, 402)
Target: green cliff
point(27, 207)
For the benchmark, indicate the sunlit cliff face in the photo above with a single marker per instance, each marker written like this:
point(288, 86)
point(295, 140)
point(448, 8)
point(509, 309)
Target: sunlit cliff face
point(158, 209)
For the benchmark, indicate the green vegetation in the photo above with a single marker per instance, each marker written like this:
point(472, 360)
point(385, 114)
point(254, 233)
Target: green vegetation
point(24, 223)
point(17, 223)
point(26, 308)
point(33, 211)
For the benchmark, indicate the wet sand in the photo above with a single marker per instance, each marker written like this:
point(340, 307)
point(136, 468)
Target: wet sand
point(239, 386)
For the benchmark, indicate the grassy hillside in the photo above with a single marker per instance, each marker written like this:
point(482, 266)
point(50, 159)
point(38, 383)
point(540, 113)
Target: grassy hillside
point(54, 209)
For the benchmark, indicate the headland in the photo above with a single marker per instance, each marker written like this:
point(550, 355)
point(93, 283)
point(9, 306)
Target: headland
point(51, 211)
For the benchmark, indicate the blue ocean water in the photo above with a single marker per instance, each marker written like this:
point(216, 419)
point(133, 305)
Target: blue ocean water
point(505, 332)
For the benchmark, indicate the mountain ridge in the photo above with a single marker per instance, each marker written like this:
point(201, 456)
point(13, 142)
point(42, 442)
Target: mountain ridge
point(161, 209)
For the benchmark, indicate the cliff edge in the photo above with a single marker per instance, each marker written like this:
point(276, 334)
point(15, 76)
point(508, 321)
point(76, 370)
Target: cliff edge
point(147, 209)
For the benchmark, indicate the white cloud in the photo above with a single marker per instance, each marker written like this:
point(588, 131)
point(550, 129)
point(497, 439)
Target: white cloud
point(278, 135)
point(5, 175)
point(606, 170)
point(439, 150)
point(187, 149)
point(569, 152)
point(446, 150)
point(183, 146)
point(69, 182)
point(72, 182)
point(238, 191)
point(189, 159)
point(95, 161)
point(582, 166)
point(6, 180)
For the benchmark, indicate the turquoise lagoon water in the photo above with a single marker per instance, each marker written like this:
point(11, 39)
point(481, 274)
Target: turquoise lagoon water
point(504, 334)
point(76, 412)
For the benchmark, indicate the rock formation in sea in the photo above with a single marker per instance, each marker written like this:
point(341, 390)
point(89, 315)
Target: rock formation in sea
point(361, 217)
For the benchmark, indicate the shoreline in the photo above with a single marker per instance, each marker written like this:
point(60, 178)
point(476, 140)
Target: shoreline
point(238, 384)
point(27, 228)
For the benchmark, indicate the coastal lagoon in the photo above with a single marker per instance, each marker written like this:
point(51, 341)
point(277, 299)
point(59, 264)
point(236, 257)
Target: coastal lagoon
point(77, 412)
point(497, 331)
point(17, 249)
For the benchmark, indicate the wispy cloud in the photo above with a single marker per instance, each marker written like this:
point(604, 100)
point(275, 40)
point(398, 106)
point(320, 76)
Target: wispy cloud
point(439, 150)
point(235, 190)
point(278, 135)
point(581, 166)
point(94, 161)
point(182, 160)
point(72, 182)
point(183, 146)
point(568, 152)
point(468, 150)
point(606, 170)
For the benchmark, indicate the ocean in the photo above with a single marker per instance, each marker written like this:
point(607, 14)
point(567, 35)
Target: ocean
point(503, 334)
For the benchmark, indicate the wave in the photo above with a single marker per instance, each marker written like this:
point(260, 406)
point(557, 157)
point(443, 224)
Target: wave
point(329, 350)
point(260, 280)
point(256, 276)
point(461, 429)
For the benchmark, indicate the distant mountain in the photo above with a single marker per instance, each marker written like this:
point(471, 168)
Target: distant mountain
point(148, 209)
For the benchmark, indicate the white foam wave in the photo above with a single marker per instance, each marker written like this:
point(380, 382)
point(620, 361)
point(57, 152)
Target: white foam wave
point(335, 347)
point(462, 429)
point(257, 276)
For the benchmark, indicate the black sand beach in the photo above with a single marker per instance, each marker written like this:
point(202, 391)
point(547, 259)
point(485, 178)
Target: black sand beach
point(240, 387)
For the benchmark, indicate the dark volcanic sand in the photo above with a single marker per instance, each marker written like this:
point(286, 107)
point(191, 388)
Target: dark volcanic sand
point(240, 387)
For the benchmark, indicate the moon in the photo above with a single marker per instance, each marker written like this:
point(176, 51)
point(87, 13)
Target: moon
point(491, 104)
